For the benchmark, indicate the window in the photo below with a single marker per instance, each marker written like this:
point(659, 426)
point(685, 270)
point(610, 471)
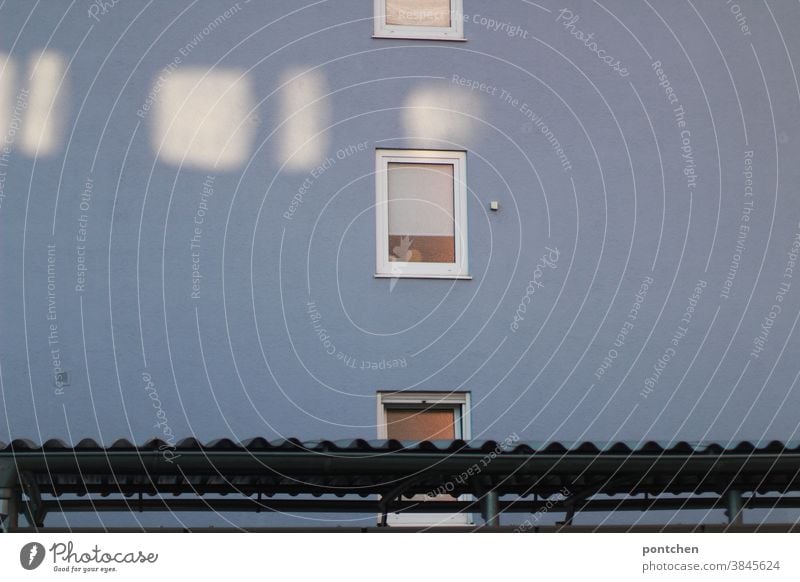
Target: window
point(431, 19)
point(421, 214)
point(420, 416)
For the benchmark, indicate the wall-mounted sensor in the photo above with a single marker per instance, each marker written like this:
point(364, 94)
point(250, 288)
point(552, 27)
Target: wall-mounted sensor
point(494, 205)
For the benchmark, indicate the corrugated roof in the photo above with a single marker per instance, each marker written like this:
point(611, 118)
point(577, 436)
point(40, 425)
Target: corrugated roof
point(437, 446)
point(368, 467)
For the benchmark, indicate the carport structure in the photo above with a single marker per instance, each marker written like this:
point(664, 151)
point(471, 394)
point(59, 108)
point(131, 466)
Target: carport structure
point(381, 477)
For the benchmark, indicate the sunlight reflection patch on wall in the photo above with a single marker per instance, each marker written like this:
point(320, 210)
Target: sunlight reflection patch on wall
point(7, 84)
point(299, 147)
point(44, 120)
point(441, 113)
point(202, 118)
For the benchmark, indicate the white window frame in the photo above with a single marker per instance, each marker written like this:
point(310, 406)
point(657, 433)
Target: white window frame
point(461, 402)
point(453, 32)
point(396, 269)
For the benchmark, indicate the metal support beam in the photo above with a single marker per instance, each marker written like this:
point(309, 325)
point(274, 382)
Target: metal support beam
point(9, 507)
point(33, 509)
point(581, 497)
point(734, 507)
point(394, 495)
point(490, 508)
point(328, 505)
point(618, 529)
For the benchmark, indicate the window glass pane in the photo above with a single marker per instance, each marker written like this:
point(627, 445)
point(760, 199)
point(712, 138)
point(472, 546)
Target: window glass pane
point(418, 12)
point(418, 424)
point(421, 210)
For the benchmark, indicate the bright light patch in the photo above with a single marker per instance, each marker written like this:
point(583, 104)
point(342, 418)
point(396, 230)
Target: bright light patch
point(301, 147)
point(202, 120)
point(442, 113)
point(43, 121)
point(7, 85)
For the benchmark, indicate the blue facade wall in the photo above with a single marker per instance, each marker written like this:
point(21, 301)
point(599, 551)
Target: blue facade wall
point(657, 179)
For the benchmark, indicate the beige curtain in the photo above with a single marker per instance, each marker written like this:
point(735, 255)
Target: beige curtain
point(415, 424)
point(421, 213)
point(418, 12)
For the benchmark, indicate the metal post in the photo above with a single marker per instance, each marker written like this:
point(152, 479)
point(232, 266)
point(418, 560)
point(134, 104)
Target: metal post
point(491, 509)
point(734, 507)
point(9, 496)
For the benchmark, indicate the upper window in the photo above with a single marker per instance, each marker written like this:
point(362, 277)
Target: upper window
point(431, 19)
point(421, 214)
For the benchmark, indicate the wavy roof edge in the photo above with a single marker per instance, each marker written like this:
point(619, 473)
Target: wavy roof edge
point(363, 445)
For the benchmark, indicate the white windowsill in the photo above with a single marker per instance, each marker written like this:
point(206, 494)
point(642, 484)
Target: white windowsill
point(420, 276)
point(397, 521)
point(412, 37)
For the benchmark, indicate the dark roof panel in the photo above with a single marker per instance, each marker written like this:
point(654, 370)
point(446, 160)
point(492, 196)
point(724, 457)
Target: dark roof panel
point(436, 446)
point(368, 467)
